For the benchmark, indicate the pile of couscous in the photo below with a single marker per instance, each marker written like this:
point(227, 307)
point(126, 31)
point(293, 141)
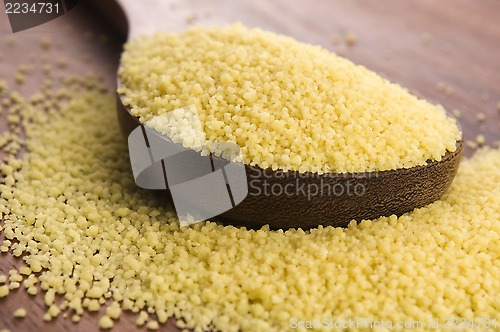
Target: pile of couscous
point(86, 233)
point(288, 105)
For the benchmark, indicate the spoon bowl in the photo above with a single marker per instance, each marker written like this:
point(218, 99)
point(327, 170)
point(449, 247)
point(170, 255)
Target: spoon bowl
point(291, 199)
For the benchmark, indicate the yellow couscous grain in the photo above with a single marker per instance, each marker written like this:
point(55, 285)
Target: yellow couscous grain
point(152, 325)
point(4, 291)
point(114, 310)
point(20, 313)
point(62, 63)
point(53, 311)
point(11, 40)
point(14, 285)
point(471, 144)
point(448, 91)
point(440, 86)
point(32, 290)
point(288, 105)
point(105, 322)
point(20, 78)
point(46, 43)
point(351, 38)
point(480, 139)
point(142, 318)
point(104, 39)
point(3, 86)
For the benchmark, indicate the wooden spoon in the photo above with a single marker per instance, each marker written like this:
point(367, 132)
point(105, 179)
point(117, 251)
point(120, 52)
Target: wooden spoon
point(358, 196)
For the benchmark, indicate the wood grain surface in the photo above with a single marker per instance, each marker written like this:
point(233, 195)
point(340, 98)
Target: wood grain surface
point(446, 51)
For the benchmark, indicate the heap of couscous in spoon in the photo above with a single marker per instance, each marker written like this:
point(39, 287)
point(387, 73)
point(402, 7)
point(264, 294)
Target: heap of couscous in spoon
point(288, 105)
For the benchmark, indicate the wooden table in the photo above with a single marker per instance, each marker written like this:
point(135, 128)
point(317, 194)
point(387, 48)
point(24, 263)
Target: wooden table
point(446, 51)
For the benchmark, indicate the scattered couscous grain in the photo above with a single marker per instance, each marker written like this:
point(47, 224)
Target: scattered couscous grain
point(32, 290)
point(105, 322)
point(142, 318)
point(23, 69)
point(47, 69)
point(456, 113)
point(471, 144)
point(4, 291)
point(3, 86)
point(46, 43)
point(351, 38)
point(20, 78)
point(440, 86)
point(62, 63)
point(481, 117)
point(152, 325)
point(444, 88)
point(20, 313)
point(68, 28)
point(480, 139)
point(288, 105)
point(11, 40)
point(191, 18)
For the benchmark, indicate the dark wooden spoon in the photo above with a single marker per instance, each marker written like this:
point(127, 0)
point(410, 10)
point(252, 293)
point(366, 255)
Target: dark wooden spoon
point(351, 196)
